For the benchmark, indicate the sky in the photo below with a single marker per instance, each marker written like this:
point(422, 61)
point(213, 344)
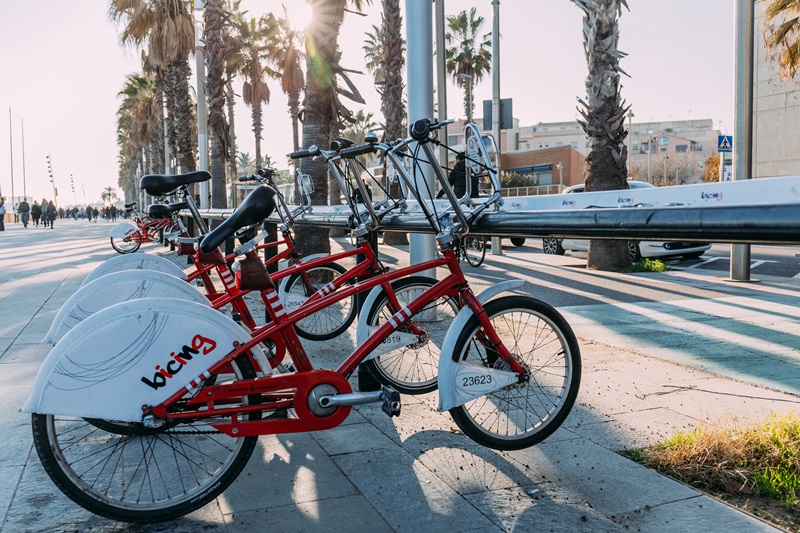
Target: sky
point(62, 67)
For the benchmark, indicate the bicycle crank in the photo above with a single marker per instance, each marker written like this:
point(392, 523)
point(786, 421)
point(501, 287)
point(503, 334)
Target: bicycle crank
point(387, 396)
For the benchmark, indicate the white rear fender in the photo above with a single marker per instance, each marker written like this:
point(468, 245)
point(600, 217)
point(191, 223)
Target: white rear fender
point(115, 288)
point(129, 355)
point(461, 382)
point(135, 262)
point(122, 230)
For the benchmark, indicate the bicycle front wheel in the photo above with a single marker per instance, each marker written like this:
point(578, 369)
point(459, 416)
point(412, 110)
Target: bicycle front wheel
point(474, 248)
point(131, 473)
point(522, 414)
point(412, 369)
point(127, 245)
point(327, 323)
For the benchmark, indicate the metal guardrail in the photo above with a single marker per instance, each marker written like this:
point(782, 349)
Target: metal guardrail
point(767, 224)
point(752, 211)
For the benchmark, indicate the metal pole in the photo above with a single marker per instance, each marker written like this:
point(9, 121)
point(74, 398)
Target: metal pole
point(24, 183)
point(497, 247)
point(11, 150)
point(419, 61)
point(628, 161)
point(202, 112)
point(743, 121)
point(666, 158)
point(649, 152)
point(441, 80)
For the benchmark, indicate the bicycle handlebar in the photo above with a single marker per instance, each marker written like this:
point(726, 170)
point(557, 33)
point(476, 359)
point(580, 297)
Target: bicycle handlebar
point(308, 152)
point(420, 129)
point(354, 151)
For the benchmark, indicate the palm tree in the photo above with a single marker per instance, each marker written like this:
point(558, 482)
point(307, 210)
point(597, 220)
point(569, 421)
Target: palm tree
point(286, 57)
point(467, 58)
point(215, 15)
point(137, 129)
point(322, 109)
point(166, 26)
point(252, 35)
point(384, 49)
point(782, 35)
point(604, 117)
point(108, 195)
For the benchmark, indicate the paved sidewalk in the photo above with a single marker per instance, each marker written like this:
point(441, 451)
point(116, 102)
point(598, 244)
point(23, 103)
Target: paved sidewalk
point(650, 368)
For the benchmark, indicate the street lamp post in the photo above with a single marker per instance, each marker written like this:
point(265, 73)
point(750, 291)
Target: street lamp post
point(559, 166)
point(649, 152)
point(630, 117)
point(52, 180)
point(666, 158)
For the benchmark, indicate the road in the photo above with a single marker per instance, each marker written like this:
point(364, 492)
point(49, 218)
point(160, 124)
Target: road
point(564, 280)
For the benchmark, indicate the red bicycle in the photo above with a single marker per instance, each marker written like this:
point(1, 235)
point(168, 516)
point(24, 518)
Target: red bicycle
point(127, 237)
point(162, 443)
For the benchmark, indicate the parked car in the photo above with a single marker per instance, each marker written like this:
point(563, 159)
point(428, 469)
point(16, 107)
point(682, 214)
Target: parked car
point(688, 250)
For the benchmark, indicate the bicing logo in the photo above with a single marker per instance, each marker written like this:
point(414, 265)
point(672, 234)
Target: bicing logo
point(178, 360)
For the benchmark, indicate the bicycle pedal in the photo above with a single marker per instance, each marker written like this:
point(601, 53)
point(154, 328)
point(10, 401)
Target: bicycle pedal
point(391, 401)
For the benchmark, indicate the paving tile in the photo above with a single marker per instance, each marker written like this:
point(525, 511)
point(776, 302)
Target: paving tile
point(407, 494)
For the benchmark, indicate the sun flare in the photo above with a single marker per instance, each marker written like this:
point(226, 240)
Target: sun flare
point(298, 13)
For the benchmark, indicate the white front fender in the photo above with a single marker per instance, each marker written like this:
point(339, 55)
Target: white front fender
point(122, 230)
point(115, 288)
point(129, 355)
point(461, 382)
point(135, 262)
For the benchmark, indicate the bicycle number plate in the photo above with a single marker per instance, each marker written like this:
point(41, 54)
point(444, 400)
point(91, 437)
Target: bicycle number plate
point(474, 381)
point(291, 302)
point(395, 340)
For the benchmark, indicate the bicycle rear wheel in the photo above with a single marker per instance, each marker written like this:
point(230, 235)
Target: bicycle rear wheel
point(135, 474)
point(474, 249)
point(127, 245)
point(327, 323)
point(412, 369)
point(522, 414)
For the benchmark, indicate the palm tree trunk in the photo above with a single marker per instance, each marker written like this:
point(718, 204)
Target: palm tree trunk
point(186, 125)
point(215, 85)
point(232, 134)
point(158, 144)
point(319, 116)
point(392, 98)
point(604, 118)
point(257, 129)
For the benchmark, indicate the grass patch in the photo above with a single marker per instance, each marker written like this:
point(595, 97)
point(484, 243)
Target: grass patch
point(647, 265)
point(757, 462)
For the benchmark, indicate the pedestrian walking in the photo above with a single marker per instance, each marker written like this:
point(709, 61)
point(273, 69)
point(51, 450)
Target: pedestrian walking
point(113, 213)
point(16, 213)
point(51, 213)
point(36, 213)
point(25, 211)
point(44, 212)
point(94, 214)
point(2, 214)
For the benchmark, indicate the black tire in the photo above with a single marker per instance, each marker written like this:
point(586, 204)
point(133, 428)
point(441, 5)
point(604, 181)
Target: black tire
point(518, 241)
point(552, 246)
point(327, 323)
point(521, 415)
point(125, 246)
point(634, 251)
point(142, 475)
point(474, 249)
point(412, 369)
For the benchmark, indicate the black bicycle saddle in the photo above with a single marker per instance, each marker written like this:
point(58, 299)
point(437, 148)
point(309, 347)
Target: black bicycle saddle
point(164, 211)
point(159, 184)
point(258, 205)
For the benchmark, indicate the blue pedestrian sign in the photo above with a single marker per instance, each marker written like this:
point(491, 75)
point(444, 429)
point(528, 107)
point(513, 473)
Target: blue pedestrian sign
point(725, 143)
